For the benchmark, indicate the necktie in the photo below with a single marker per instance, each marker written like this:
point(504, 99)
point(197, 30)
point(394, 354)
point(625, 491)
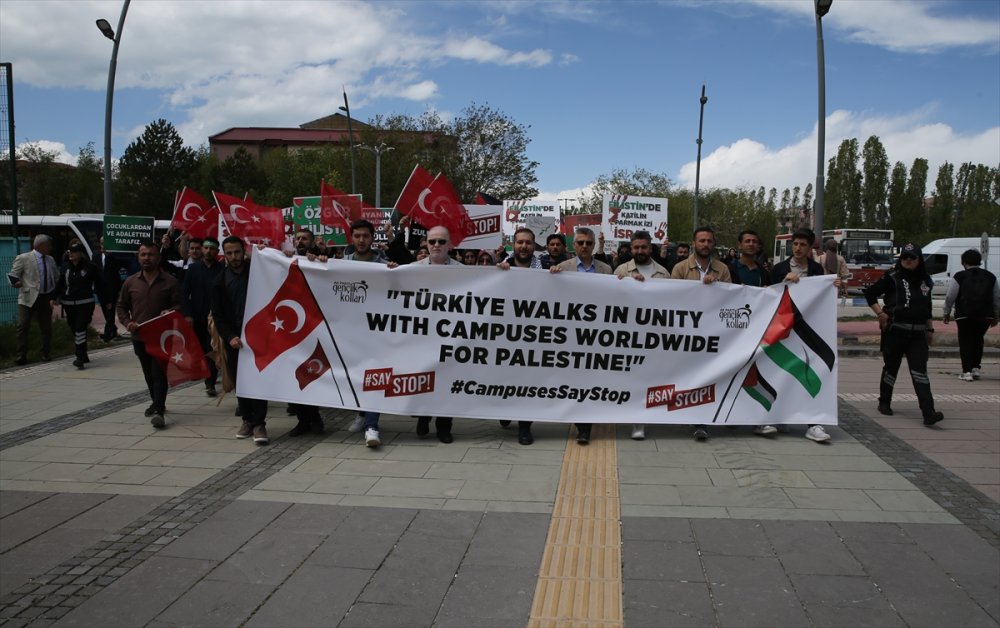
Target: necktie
point(45, 275)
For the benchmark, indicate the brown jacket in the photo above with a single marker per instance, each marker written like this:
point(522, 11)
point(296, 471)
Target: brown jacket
point(570, 265)
point(688, 269)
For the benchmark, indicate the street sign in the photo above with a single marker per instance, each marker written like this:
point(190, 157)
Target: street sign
point(124, 234)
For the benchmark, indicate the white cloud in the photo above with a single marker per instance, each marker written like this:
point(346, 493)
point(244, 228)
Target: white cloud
point(61, 155)
point(900, 25)
point(748, 162)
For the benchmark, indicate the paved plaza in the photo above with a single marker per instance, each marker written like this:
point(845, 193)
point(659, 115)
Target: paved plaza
point(105, 521)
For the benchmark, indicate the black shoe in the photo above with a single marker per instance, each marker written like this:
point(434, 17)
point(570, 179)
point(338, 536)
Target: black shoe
point(290, 410)
point(46, 358)
point(930, 418)
point(149, 411)
point(316, 426)
point(445, 437)
point(78, 363)
point(21, 361)
point(583, 437)
point(525, 438)
point(211, 391)
point(504, 422)
point(239, 411)
point(300, 428)
point(423, 426)
point(883, 408)
point(86, 359)
point(700, 433)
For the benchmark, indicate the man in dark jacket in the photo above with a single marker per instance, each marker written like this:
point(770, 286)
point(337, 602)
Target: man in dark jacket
point(79, 281)
point(229, 299)
point(975, 295)
point(196, 297)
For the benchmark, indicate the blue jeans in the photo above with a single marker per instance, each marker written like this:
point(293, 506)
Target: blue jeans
point(371, 420)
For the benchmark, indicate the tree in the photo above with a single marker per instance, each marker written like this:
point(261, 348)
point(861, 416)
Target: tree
point(977, 188)
point(299, 174)
point(916, 216)
point(239, 174)
point(842, 194)
point(875, 184)
point(941, 214)
point(491, 155)
point(897, 198)
point(152, 169)
point(43, 182)
point(87, 183)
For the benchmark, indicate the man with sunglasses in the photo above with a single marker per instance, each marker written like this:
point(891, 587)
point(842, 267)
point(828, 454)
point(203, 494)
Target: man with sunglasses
point(907, 326)
point(584, 262)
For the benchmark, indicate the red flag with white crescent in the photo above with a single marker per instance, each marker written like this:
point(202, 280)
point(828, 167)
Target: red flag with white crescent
point(171, 341)
point(251, 222)
point(313, 368)
point(288, 318)
point(194, 215)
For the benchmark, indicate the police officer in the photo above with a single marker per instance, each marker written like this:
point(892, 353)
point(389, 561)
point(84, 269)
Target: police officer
point(79, 281)
point(907, 328)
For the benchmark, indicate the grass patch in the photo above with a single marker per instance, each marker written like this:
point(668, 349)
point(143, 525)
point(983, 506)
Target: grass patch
point(62, 342)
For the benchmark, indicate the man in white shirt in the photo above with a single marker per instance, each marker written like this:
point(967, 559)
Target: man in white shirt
point(34, 274)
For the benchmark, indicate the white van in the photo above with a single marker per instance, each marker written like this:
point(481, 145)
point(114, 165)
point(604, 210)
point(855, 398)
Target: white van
point(944, 258)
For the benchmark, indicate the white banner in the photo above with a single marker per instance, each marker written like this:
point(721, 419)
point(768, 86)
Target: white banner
point(480, 342)
point(624, 215)
point(486, 218)
point(542, 217)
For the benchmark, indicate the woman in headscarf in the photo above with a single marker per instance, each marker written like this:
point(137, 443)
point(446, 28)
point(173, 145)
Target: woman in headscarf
point(907, 328)
point(486, 258)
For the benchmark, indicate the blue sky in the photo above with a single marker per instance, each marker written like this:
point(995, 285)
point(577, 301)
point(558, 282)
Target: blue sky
point(603, 85)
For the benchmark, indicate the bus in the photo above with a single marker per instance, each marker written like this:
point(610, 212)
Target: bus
point(868, 253)
point(63, 228)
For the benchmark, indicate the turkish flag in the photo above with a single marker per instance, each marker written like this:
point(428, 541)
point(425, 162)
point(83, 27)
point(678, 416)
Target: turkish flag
point(195, 215)
point(313, 368)
point(251, 222)
point(171, 341)
point(338, 209)
point(433, 202)
point(290, 316)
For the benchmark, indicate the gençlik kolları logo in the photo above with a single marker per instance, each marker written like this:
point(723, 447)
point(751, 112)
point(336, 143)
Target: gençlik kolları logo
point(736, 317)
point(351, 291)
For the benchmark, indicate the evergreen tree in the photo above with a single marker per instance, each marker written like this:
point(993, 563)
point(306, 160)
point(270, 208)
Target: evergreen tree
point(897, 199)
point(941, 215)
point(875, 184)
point(151, 170)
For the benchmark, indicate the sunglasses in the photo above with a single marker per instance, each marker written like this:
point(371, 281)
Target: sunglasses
point(584, 242)
point(441, 242)
point(906, 257)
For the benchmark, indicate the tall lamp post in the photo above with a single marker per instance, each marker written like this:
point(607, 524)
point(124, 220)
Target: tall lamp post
point(822, 8)
point(347, 109)
point(116, 37)
point(378, 150)
point(697, 168)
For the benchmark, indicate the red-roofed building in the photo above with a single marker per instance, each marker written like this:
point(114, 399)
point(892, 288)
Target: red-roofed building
point(258, 141)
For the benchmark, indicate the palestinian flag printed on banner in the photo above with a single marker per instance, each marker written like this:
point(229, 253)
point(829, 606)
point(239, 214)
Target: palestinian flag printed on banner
point(757, 387)
point(796, 347)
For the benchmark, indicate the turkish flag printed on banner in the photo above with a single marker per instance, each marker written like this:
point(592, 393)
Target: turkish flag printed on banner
point(290, 316)
point(194, 215)
point(251, 222)
point(433, 202)
point(313, 368)
point(171, 341)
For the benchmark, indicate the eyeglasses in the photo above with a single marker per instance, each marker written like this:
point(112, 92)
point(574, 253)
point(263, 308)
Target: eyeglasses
point(436, 242)
point(584, 242)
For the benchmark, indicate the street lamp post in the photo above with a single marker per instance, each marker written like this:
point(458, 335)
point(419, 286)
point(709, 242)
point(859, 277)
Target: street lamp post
point(697, 168)
point(116, 37)
point(347, 109)
point(378, 150)
point(822, 8)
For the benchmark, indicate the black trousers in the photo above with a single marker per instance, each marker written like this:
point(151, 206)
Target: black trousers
point(913, 345)
point(253, 411)
point(200, 325)
point(156, 377)
point(41, 310)
point(110, 327)
point(971, 332)
point(78, 317)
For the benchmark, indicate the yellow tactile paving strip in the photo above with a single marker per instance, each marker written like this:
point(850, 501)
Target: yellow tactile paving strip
point(580, 580)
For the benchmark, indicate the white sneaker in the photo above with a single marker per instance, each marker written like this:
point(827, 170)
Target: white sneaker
point(765, 430)
point(976, 373)
point(817, 433)
point(638, 432)
point(357, 424)
point(371, 437)
point(966, 377)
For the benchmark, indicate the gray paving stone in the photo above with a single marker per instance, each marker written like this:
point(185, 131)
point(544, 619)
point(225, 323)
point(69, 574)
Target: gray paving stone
point(12, 501)
point(212, 604)
point(752, 591)
point(656, 528)
point(833, 601)
point(873, 532)
point(919, 589)
point(42, 553)
point(508, 540)
point(363, 539)
point(731, 537)
point(310, 519)
point(267, 558)
point(807, 547)
point(314, 595)
point(32, 521)
point(367, 615)
point(226, 531)
point(447, 525)
point(114, 513)
point(417, 573)
point(654, 604)
point(661, 560)
point(500, 594)
point(132, 600)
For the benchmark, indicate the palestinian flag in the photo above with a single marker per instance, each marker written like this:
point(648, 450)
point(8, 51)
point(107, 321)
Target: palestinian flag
point(795, 346)
point(757, 387)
